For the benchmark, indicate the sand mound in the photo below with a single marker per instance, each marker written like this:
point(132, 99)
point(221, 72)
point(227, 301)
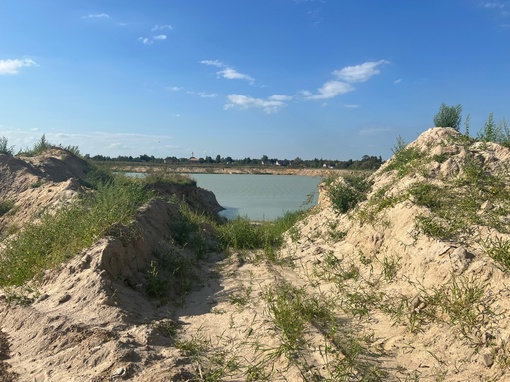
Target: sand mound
point(404, 287)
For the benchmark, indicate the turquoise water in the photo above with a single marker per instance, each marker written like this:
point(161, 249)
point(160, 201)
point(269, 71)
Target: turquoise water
point(259, 197)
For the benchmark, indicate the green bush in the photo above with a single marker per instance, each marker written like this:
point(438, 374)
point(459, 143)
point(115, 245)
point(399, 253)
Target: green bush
point(347, 194)
point(448, 116)
point(6, 206)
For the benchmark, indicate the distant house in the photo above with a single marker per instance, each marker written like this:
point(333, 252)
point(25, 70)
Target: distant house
point(168, 160)
point(194, 160)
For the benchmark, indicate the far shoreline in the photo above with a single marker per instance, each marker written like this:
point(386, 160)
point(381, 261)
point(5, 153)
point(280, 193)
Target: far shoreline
point(231, 169)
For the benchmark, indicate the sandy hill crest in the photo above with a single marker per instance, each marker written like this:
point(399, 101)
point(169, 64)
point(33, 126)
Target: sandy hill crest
point(409, 285)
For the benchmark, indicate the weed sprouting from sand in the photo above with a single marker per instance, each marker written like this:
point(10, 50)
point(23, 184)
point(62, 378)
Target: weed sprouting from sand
point(499, 249)
point(465, 303)
point(212, 361)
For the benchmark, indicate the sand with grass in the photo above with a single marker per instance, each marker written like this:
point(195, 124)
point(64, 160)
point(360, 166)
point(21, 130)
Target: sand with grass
point(410, 283)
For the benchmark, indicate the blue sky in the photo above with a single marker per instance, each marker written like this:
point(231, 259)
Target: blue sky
point(332, 79)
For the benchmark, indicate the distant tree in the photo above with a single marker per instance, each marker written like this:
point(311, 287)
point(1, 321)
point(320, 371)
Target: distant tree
point(264, 158)
point(218, 158)
point(448, 116)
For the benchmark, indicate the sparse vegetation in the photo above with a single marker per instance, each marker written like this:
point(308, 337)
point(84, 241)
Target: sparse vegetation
point(63, 234)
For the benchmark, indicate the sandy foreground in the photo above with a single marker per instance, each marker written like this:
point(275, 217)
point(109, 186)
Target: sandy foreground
point(345, 299)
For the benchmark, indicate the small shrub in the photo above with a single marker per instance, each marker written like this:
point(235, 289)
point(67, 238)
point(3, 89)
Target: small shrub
point(6, 206)
point(427, 195)
point(448, 116)
point(346, 194)
point(4, 147)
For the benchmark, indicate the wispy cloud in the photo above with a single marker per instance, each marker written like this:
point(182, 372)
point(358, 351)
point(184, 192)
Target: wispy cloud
point(162, 27)
point(151, 40)
point(501, 8)
point(359, 73)
point(397, 81)
point(13, 66)
point(216, 63)
point(346, 77)
point(493, 5)
point(350, 106)
point(200, 94)
point(96, 16)
point(330, 89)
point(228, 72)
point(271, 105)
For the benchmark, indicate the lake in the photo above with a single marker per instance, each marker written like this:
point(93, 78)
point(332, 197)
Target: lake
point(259, 197)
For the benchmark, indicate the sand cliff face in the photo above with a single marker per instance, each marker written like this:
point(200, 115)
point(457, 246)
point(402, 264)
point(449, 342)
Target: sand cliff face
point(374, 294)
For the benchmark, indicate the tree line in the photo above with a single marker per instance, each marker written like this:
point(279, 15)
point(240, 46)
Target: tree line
point(367, 162)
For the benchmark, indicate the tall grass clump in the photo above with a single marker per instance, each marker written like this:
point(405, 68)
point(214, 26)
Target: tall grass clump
point(62, 234)
point(243, 234)
point(4, 147)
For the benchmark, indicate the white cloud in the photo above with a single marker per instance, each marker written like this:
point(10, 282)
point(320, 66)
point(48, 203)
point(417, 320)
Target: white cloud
point(149, 40)
point(351, 106)
point(228, 72)
point(216, 63)
point(96, 16)
point(329, 90)
point(13, 66)
point(207, 95)
point(175, 88)
point(244, 102)
point(279, 97)
point(162, 27)
point(348, 76)
point(397, 81)
point(359, 73)
point(232, 74)
point(145, 40)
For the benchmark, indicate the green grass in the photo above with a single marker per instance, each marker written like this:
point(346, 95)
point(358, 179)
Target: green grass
point(60, 235)
point(243, 234)
point(405, 161)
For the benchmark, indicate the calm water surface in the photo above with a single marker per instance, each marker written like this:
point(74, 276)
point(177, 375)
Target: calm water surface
point(259, 197)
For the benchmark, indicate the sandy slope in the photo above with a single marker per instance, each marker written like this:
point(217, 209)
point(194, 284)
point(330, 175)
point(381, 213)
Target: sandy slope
point(382, 297)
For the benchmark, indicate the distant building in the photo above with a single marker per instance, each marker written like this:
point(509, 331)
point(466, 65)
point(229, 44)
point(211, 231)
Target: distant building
point(168, 160)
